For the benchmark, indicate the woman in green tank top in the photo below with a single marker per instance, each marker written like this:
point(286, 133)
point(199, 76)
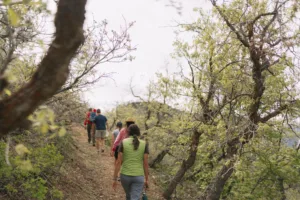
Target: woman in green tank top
point(133, 161)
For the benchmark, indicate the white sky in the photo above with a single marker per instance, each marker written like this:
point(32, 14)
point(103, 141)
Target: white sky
point(153, 36)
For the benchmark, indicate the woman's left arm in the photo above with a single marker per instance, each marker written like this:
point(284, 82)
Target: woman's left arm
point(146, 166)
point(146, 169)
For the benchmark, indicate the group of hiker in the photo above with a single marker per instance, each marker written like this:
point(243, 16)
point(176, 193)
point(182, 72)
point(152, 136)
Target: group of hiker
point(129, 151)
point(96, 125)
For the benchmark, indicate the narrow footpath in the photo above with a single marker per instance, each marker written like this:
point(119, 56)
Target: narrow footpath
point(88, 175)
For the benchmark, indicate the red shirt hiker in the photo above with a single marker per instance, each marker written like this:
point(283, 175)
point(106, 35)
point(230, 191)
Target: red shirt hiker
point(87, 119)
point(89, 126)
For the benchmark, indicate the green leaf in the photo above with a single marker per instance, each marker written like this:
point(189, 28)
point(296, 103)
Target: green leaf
point(44, 128)
point(6, 2)
point(21, 149)
point(25, 165)
point(8, 92)
point(62, 132)
point(53, 127)
point(30, 117)
point(13, 17)
point(52, 135)
point(40, 42)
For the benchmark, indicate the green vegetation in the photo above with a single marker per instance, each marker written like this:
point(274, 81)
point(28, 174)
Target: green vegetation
point(35, 145)
point(34, 166)
point(221, 127)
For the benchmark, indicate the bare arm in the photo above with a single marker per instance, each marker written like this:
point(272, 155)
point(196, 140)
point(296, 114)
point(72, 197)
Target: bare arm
point(112, 141)
point(118, 139)
point(118, 165)
point(117, 169)
point(146, 168)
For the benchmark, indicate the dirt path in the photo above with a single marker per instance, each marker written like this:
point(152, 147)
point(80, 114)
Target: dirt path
point(88, 175)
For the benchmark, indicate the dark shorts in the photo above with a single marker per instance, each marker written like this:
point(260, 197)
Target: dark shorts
point(116, 152)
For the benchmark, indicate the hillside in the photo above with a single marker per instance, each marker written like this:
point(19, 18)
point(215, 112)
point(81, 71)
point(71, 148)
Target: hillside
point(88, 176)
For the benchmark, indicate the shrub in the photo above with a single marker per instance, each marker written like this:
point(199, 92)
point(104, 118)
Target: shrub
point(31, 174)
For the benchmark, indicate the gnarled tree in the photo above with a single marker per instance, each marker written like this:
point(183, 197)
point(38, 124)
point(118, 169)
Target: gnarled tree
point(68, 37)
point(240, 84)
point(263, 28)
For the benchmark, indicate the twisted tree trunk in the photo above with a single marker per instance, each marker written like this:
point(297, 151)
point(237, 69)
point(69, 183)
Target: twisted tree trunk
point(159, 158)
point(53, 70)
point(186, 165)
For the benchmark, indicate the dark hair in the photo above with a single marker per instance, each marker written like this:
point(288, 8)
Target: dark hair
point(90, 109)
point(129, 123)
point(119, 124)
point(133, 130)
point(98, 111)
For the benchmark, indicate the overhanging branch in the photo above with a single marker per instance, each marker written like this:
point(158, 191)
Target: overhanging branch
point(273, 114)
point(53, 70)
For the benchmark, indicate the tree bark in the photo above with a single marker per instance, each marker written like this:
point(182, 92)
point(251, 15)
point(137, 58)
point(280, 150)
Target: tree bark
point(158, 158)
point(186, 165)
point(215, 188)
point(281, 188)
point(53, 70)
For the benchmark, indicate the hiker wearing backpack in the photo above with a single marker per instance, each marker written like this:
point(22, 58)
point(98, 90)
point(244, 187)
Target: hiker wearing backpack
point(93, 129)
point(101, 124)
point(133, 162)
point(88, 124)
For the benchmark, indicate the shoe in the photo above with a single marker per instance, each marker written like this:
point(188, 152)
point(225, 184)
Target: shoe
point(94, 145)
point(102, 150)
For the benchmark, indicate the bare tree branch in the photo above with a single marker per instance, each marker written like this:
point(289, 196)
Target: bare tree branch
point(101, 46)
point(133, 93)
point(273, 114)
point(230, 25)
point(263, 15)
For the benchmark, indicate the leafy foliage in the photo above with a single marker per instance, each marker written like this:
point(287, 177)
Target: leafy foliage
point(33, 168)
point(236, 106)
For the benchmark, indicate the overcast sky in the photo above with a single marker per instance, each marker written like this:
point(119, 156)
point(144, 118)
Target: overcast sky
point(153, 35)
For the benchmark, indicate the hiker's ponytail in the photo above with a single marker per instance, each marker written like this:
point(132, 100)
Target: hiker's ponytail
point(133, 130)
point(135, 142)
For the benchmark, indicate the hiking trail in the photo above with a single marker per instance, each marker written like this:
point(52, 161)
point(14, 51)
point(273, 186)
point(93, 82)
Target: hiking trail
point(88, 175)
